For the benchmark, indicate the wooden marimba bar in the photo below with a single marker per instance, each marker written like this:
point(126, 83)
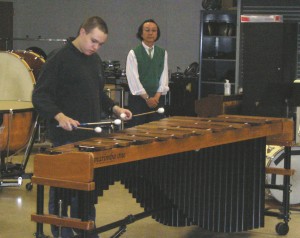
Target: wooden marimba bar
point(208, 172)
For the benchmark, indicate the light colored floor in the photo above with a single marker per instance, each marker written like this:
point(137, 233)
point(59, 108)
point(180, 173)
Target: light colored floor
point(17, 204)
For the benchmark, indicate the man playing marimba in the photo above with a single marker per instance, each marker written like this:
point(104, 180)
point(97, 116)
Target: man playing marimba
point(69, 91)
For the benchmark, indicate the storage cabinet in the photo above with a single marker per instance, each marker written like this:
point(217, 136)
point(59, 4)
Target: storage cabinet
point(218, 40)
point(6, 25)
point(268, 67)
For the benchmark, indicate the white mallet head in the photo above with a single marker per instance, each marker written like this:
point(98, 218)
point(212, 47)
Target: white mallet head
point(117, 122)
point(123, 116)
point(98, 129)
point(161, 110)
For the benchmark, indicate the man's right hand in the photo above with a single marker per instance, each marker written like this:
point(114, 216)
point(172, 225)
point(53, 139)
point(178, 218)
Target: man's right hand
point(65, 122)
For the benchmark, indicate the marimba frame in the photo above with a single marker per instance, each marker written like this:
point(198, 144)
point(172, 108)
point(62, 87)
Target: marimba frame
point(122, 157)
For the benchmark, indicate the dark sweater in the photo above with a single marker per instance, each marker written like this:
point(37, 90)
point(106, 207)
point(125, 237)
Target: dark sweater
point(72, 83)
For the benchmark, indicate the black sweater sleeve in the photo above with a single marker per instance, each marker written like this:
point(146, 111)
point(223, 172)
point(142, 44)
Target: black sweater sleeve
point(44, 93)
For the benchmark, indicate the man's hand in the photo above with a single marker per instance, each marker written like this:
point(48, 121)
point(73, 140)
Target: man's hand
point(65, 122)
point(152, 102)
point(119, 110)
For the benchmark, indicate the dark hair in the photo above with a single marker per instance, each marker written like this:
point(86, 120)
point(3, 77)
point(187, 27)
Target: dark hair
point(92, 22)
point(140, 30)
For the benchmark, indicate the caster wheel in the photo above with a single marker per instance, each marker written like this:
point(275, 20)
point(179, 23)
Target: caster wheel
point(29, 186)
point(282, 228)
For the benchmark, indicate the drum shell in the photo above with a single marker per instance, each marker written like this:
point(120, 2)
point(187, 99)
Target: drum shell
point(18, 73)
point(16, 125)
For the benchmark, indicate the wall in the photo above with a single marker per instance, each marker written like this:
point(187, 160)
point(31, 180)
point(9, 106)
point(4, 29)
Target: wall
point(59, 19)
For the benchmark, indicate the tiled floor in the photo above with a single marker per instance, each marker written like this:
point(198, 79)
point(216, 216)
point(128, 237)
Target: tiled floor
point(17, 204)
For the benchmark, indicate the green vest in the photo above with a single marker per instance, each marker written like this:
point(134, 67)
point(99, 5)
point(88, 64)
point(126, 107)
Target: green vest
point(149, 69)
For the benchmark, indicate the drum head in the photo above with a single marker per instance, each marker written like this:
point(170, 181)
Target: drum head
point(16, 77)
point(278, 162)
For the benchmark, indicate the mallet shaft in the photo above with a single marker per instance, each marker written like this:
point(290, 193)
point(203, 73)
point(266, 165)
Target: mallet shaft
point(97, 123)
point(145, 113)
point(84, 128)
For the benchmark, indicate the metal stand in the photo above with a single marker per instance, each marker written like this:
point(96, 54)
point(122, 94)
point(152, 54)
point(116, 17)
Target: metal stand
point(17, 171)
point(121, 92)
point(122, 224)
point(27, 38)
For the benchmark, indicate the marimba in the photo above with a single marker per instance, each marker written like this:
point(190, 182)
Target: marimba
point(208, 172)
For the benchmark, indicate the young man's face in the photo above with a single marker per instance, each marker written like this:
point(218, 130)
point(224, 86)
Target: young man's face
point(92, 41)
point(149, 34)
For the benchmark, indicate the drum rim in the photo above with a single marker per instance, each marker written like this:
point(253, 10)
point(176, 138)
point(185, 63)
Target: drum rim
point(16, 110)
point(27, 106)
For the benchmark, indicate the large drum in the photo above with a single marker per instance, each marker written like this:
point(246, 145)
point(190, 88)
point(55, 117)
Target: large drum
point(275, 159)
point(16, 123)
point(18, 73)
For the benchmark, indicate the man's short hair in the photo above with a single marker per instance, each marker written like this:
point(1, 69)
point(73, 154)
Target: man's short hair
point(92, 22)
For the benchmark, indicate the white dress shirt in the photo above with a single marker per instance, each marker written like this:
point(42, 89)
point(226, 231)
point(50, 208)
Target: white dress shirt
point(133, 78)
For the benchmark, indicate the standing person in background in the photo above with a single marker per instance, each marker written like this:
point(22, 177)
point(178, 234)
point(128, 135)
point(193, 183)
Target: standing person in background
point(69, 91)
point(147, 74)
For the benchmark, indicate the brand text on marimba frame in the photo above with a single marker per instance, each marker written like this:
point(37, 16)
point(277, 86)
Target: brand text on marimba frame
point(110, 157)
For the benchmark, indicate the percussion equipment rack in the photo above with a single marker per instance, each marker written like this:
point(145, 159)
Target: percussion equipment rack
point(17, 118)
point(208, 172)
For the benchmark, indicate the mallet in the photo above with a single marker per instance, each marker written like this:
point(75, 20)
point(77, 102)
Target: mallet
point(116, 122)
point(96, 129)
point(160, 110)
